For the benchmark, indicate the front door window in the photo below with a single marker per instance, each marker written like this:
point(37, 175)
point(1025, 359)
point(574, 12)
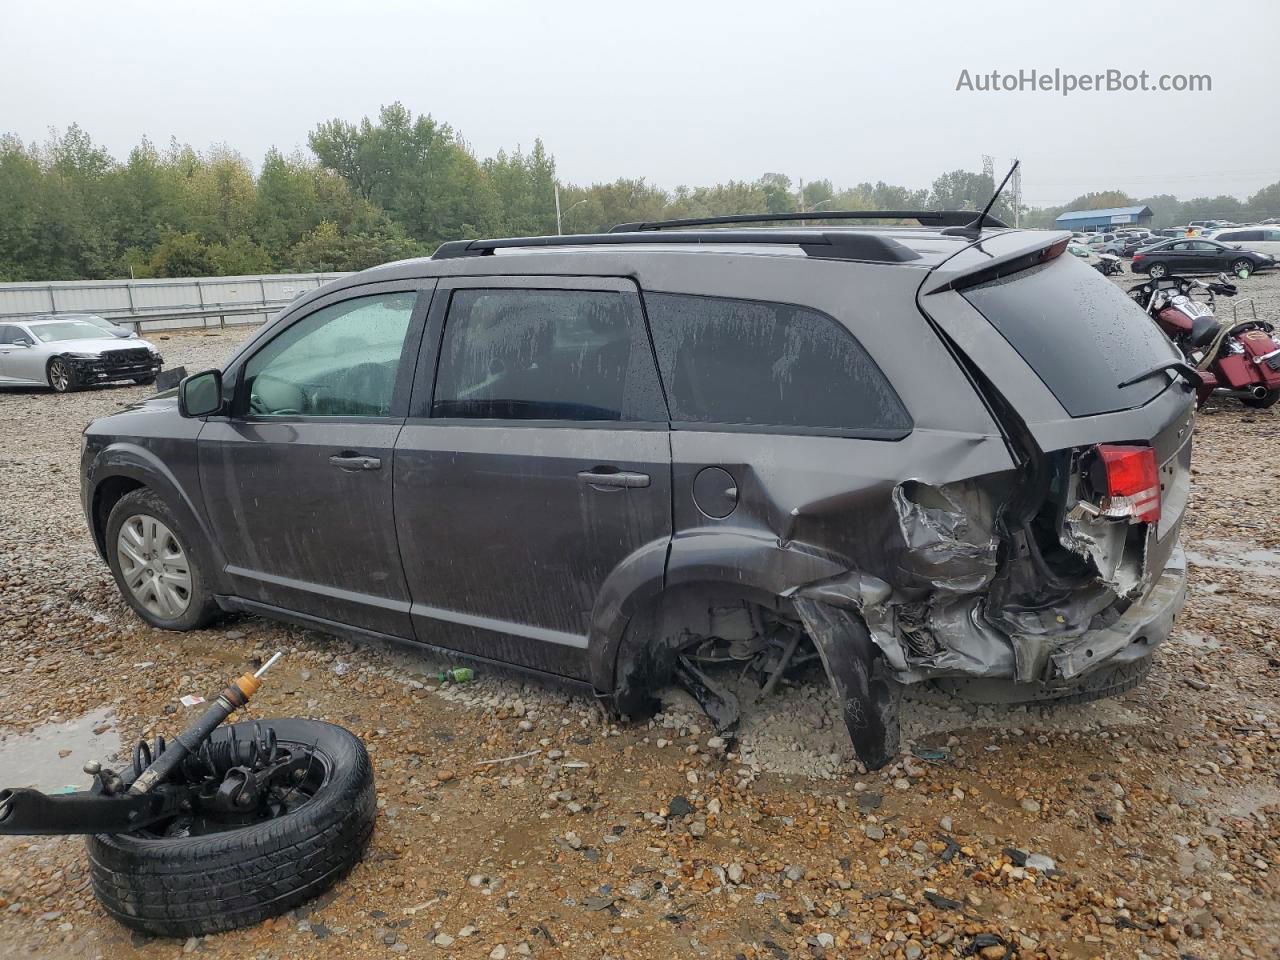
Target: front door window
point(340, 361)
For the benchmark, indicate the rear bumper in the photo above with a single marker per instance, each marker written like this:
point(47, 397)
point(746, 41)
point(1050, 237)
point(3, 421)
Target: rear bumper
point(1142, 628)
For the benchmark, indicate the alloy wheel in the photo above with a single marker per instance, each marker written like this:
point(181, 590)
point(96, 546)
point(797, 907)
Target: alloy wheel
point(154, 566)
point(1157, 271)
point(59, 376)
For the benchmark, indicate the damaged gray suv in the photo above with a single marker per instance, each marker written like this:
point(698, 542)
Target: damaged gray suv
point(694, 452)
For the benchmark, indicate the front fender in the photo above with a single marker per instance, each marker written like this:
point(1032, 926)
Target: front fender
point(136, 462)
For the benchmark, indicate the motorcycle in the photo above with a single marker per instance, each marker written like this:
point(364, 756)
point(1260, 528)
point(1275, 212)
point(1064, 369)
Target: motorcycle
point(1239, 357)
point(1108, 264)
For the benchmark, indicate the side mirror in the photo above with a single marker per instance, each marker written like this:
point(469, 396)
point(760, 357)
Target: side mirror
point(200, 395)
point(21, 342)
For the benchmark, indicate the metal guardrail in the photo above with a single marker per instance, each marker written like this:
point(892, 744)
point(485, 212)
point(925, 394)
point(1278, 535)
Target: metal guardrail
point(246, 311)
point(163, 304)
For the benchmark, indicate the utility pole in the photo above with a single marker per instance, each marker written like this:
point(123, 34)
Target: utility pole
point(559, 232)
point(1017, 194)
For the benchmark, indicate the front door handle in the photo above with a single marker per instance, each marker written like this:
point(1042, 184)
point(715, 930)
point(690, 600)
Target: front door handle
point(614, 478)
point(353, 462)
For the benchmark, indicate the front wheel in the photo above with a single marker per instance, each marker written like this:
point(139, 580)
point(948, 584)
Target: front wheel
point(1156, 271)
point(1242, 268)
point(144, 381)
point(62, 378)
point(1263, 402)
point(156, 568)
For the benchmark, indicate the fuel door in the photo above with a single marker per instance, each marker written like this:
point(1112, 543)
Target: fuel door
point(715, 492)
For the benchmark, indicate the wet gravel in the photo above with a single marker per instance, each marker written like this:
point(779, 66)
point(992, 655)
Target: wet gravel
point(1145, 826)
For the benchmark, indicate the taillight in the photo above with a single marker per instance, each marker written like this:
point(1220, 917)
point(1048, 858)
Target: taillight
point(1131, 481)
point(1139, 256)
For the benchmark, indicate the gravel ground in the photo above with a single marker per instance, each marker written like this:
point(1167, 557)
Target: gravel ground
point(1160, 810)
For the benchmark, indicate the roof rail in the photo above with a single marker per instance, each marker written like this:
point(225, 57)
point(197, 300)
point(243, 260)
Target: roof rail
point(932, 218)
point(829, 246)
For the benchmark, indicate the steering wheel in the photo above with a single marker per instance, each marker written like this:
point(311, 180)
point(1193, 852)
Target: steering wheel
point(271, 396)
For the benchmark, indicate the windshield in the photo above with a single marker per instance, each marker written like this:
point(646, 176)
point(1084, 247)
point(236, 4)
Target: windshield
point(65, 330)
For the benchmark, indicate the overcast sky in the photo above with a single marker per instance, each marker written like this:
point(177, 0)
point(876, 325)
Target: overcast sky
point(689, 92)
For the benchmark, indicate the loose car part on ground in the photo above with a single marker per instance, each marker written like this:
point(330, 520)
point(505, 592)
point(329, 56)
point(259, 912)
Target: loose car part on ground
point(221, 827)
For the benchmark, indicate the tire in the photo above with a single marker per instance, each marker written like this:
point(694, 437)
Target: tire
point(1156, 271)
point(1242, 268)
point(200, 608)
point(1262, 403)
point(144, 381)
point(61, 376)
point(192, 886)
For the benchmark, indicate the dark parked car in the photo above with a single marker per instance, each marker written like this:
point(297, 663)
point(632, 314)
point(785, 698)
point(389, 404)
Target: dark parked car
point(1190, 256)
point(692, 455)
point(1126, 246)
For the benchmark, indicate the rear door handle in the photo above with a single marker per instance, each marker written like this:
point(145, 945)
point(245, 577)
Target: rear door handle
point(614, 479)
point(354, 462)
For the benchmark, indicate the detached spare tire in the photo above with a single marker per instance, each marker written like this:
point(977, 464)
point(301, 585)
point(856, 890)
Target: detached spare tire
point(185, 886)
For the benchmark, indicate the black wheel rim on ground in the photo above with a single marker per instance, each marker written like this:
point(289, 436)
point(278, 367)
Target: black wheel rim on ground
point(203, 872)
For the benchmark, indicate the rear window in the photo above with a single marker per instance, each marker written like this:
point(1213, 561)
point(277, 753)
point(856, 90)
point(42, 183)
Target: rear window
point(1079, 332)
point(748, 362)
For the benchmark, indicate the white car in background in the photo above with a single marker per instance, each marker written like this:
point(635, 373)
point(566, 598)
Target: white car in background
point(124, 333)
point(67, 354)
point(1261, 237)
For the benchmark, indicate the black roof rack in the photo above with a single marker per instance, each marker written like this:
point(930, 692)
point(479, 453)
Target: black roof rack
point(830, 246)
point(932, 218)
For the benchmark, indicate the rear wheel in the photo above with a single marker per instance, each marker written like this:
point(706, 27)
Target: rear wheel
point(1242, 268)
point(1263, 402)
point(158, 571)
point(144, 381)
point(62, 377)
point(1157, 270)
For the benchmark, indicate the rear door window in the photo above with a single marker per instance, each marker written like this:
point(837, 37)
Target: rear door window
point(1080, 333)
point(745, 362)
point(579, 355)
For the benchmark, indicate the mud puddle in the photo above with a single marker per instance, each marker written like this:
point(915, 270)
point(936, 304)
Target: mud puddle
point(1233, 555)
point(51, 756)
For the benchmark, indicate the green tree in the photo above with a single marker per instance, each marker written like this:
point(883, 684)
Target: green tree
point(181, 255)
point(1266, 202)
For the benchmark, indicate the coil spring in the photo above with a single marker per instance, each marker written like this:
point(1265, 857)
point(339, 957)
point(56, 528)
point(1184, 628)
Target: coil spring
point(213, 758)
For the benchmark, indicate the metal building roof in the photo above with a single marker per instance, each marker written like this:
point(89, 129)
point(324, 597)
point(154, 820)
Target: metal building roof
point(1141, 211)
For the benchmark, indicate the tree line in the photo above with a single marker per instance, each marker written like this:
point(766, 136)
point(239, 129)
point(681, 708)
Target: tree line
point(389, 187)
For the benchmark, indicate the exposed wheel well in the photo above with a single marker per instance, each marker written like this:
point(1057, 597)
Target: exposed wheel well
point(105, 496)
point(678, 617)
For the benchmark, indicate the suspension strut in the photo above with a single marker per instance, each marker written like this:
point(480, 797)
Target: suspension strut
point(235, 695)
point(108, 808)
